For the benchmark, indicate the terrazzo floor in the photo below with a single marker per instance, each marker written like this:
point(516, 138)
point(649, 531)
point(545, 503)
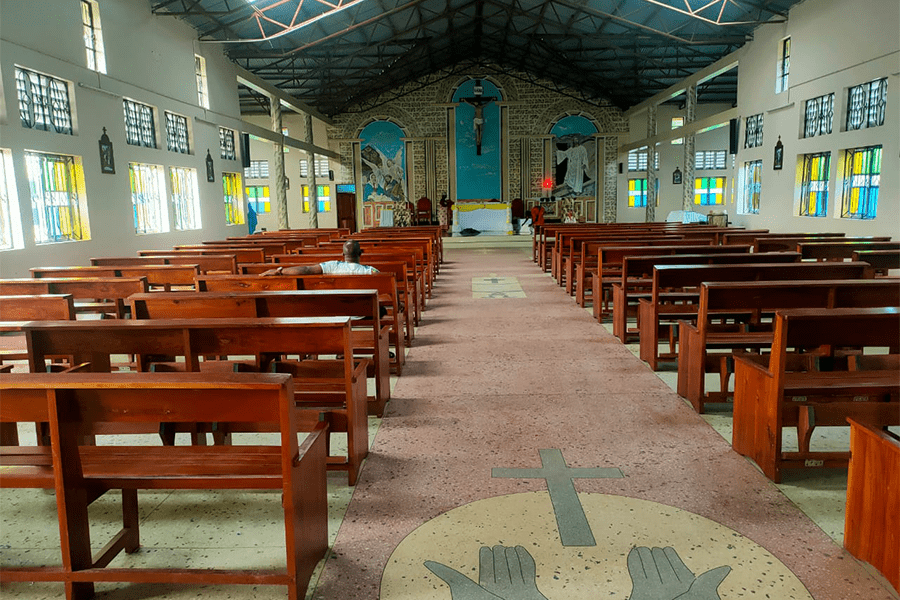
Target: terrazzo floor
point(491, 381)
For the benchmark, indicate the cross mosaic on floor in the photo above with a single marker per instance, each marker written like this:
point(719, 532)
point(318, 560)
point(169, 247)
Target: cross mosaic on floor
point(565, 545)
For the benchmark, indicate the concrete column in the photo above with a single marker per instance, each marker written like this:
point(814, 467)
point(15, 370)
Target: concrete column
point(278, 166)
point(690, 115)
point(313, 188)
point(651, 166)
point(608, 172)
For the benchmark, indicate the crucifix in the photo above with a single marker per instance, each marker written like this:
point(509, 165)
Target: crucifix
point(478, 101)
point(574, 529)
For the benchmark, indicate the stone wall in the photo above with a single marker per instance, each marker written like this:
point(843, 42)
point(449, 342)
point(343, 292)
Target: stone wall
point(420, 110)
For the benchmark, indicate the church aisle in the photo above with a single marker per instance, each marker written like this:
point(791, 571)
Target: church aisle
point(507, 376)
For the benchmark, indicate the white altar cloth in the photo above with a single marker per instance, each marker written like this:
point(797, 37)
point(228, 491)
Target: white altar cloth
point(492, 218)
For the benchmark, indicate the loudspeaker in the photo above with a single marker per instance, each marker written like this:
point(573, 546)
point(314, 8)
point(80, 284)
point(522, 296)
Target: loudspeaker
point(245, 149)
point(733, 136)
point(620, 168)
point(330, 175)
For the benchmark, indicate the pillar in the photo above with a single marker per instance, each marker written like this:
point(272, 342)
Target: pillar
point(313, 187)
point(278, 165)
point(690, 115)
point(651, 166)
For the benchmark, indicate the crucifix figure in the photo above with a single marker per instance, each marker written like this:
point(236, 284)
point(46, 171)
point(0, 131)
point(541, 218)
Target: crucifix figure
point(574, 529)
point(478, 101)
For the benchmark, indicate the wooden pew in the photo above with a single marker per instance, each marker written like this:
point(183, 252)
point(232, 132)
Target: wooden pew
point(749, 237)
point(636, 280)
point(769, 396)
point(610, 256)
point(369, 337)
point(871, 518)
point(27, 307)
point(840, 249)
point(566, 257)
point(790, 243)
point(705, 349)
point(207, 263)
point(158, 276)
point(384, 283)
point(342, 398)
point(664, 309)
point(883, 261)
point(104, 295)
point(242, 254)
point(74, 403)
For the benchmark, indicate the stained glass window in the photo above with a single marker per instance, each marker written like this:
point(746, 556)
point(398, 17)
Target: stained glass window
point(814, 184)
point(185, 198)
point(866, 104)
point(56, 183)
point(177, 138)
point(148, 198)
point(753, 131)
point(234, 199)
point(226, 144)
point(258, 197)
point(862, 177)
point(637, 193)
point(10, 219)
point(324, 194)
point(43, 102)
point(752, 176)
point(200, 74)
point(93, 36)
point(709, 190)
point(140, 125)
point(819, 116)
point(258, 169)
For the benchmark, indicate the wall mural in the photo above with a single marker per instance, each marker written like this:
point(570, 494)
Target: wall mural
point(574, 158)
point(384, 175)
point(477, 140)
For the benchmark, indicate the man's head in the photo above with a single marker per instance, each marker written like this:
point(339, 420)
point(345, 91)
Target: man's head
point(352, 251)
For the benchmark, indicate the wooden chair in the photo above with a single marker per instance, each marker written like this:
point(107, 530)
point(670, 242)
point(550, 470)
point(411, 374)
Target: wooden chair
point(74, 403)
point(423, 211)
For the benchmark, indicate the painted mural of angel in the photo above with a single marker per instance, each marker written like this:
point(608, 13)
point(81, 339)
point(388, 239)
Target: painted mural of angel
point(389, 171)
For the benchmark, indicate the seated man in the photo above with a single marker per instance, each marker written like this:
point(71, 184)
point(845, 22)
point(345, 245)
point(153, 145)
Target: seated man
point(349, 266)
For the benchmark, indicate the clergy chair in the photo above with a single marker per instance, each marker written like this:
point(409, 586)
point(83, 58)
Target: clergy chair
point(423, 211)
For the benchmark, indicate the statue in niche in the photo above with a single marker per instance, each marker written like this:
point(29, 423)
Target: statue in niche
point(478, 101)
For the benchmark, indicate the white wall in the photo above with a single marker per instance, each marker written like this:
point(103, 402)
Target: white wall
point(149, 59)
point(835, 44)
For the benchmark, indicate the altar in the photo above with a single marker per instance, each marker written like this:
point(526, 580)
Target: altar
point(491, 218)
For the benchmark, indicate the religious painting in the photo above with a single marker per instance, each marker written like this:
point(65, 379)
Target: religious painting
point(383, 158)
point(477, 140)
point(574, 157)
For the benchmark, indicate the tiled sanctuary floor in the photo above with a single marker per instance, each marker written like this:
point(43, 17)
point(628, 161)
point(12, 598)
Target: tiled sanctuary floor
point(490, 382)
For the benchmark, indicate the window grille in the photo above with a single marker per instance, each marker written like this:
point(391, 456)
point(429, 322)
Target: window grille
point(202, 88)
point(677, 122)
point(93, 36)
point(226, 144)
point(814, 184)
point(324, 197)
point(784, 66)
point(177, 139)
point(57, 211)
point(753, 131)
point(862, 177)
point(234, 199)
point(258, 169)
point(140, 126)
point(43, 102)
point(10, 220)
point(637, 193)
point(185, 198)
point(148, 190)
point(637, 160)
point(819, 116)
point(866, 104)
point(752, 186)
point(710, 159)
point(709, 190)
point(258, 197)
